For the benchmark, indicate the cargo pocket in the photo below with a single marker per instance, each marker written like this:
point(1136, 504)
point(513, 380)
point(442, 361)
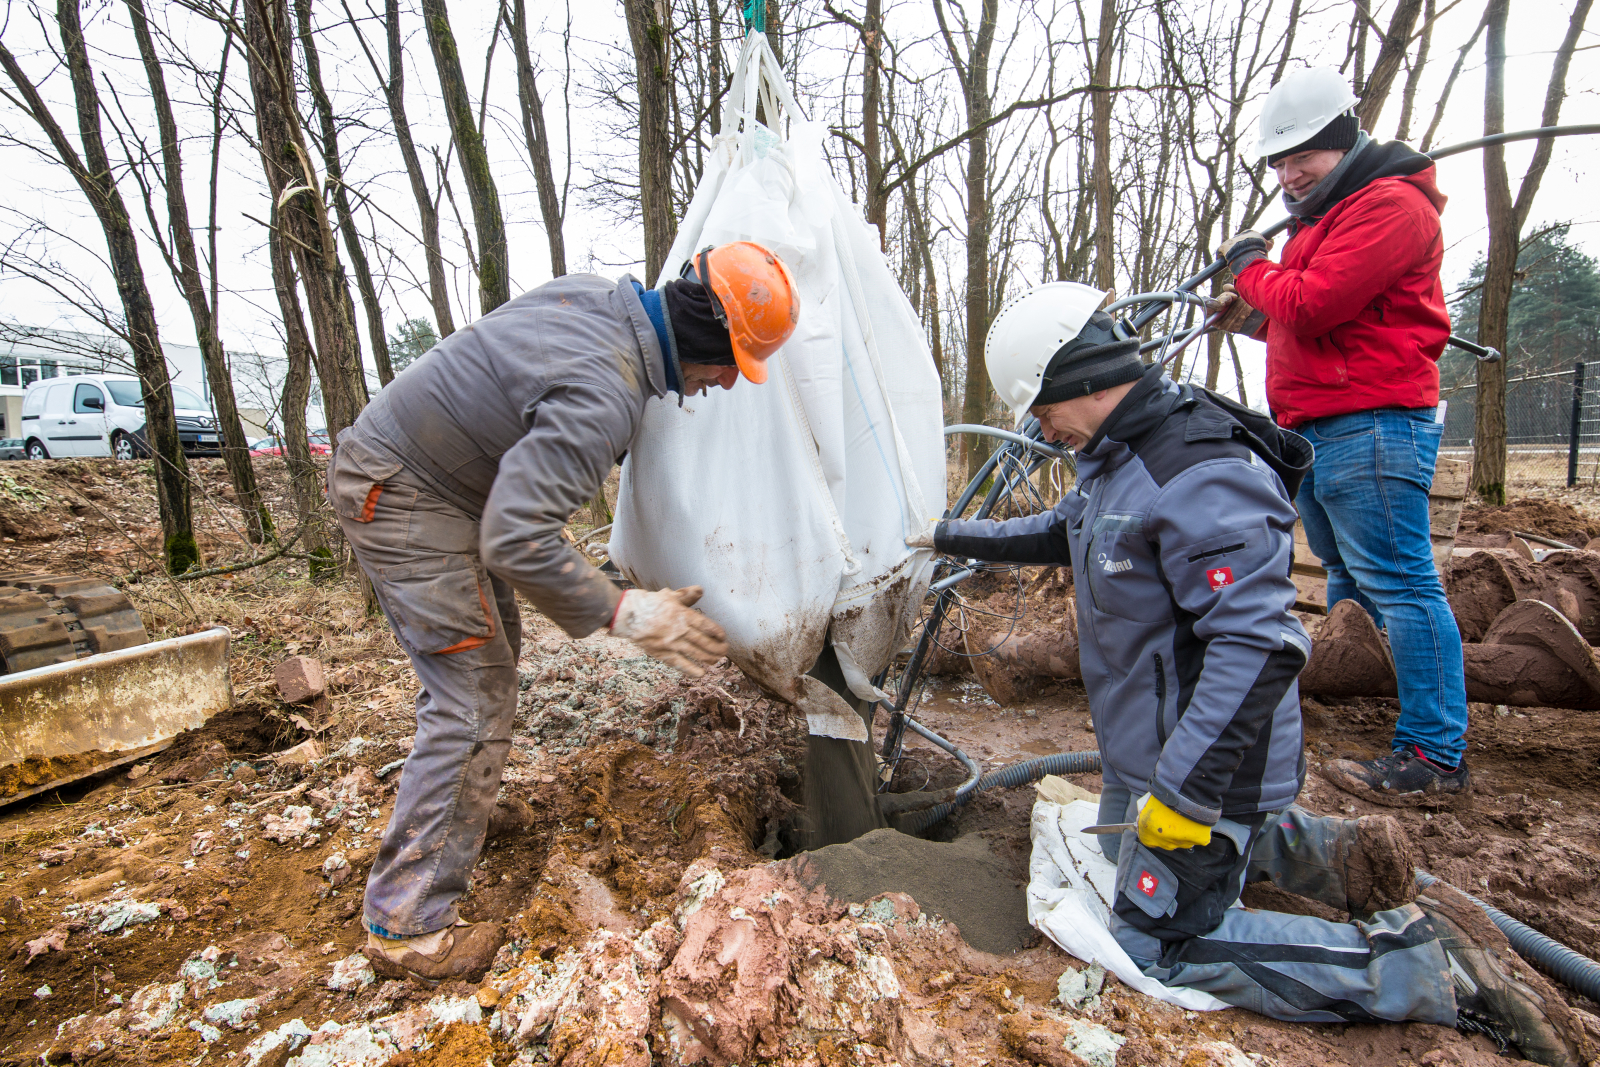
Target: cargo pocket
point(1148, 883)
point(356, 477)
point(440, 604)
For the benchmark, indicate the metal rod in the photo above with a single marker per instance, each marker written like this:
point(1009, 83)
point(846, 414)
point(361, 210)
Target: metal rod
point(974, 768)
point(1006, 435)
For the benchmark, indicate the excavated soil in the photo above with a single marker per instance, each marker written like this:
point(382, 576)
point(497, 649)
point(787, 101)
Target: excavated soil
point(1547, 518)
point(39, 770)
point(203, 906)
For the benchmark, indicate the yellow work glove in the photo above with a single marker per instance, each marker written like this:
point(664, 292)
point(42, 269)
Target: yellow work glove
point(1161, 827)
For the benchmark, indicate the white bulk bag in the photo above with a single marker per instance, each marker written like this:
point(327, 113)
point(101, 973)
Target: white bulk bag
point(790, 502)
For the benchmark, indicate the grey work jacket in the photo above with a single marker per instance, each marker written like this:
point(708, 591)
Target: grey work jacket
point(517, 419)
point(1180, 537)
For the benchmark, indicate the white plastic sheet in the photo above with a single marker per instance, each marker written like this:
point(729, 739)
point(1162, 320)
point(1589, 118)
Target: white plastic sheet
point(1070, 888)
point(790, 502)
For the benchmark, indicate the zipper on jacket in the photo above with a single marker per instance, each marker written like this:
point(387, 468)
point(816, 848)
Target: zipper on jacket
point(1161, 701)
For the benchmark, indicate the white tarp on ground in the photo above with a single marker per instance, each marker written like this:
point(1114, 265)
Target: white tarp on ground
point(790, 502)
point(1070, 887)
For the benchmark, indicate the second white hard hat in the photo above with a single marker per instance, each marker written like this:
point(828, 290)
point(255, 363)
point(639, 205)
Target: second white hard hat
point(1030, 330)
point(1300, 105)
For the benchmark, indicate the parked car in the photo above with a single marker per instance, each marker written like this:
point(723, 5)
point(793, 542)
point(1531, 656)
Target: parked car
point(13, 448)
point(103, 415)
point(273, 446)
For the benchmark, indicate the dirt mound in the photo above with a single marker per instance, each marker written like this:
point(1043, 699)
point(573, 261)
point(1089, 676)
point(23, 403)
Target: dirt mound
point(976, 882)
point(245, 731)
point(1548, 518)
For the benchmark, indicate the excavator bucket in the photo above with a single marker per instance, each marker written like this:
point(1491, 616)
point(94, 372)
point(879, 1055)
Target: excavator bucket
point(84, 690)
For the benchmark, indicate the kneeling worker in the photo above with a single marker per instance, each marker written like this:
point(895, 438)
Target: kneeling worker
point(1179, 535)
point(453, 488)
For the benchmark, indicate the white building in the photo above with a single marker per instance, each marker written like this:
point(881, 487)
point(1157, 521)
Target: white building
point(29, 353)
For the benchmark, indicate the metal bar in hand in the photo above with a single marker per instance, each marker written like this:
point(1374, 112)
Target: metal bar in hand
point(1577, 424)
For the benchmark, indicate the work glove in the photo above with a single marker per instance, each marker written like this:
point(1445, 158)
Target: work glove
point(1243, 249)
point(921, 540)
point(1161, 827)
point(1237, 316)
point(663, 625)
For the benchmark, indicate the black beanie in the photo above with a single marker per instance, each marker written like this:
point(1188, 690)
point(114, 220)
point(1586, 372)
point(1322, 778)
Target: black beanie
point(1095, 359)
point(1339, 134)
point(700, 337)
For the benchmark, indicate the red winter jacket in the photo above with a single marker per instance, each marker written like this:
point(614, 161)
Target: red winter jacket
point(1355, 312)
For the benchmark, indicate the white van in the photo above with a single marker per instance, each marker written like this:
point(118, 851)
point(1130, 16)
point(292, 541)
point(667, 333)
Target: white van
point(103, 415)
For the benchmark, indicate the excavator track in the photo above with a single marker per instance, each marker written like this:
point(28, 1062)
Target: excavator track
point(58, 618)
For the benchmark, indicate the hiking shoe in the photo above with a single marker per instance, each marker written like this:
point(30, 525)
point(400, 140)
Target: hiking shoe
point(464, 950)
point(1401, 777)
point(1497, 994)
point(1380, 869)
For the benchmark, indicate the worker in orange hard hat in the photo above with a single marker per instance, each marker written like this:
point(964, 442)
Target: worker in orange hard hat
point(750, 307)
point(453, 488)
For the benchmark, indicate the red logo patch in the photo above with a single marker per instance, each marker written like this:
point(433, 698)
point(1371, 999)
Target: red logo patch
point(1219, 577)
point(1148, 883)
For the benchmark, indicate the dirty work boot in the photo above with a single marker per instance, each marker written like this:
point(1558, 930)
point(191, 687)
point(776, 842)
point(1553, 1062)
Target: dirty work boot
point(1497, 994)
point(1380, 870)
point(1402, 777)
point(464, 950)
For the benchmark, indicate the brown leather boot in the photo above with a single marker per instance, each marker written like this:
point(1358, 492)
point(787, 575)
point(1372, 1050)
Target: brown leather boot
point(1498, 994)
point(464, 950)
point(1380, 870)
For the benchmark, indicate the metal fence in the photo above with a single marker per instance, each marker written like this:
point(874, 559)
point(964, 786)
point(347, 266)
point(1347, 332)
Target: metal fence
point(1552, 426)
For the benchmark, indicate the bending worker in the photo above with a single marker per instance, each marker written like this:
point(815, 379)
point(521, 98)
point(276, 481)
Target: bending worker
point(1179, 535)
point(453, 488)
point(1354, 320)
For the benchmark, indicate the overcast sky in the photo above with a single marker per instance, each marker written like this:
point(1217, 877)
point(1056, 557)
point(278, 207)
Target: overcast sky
point(32, 189)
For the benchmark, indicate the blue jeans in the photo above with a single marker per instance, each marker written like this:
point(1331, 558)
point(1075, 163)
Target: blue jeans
point(1365, 509)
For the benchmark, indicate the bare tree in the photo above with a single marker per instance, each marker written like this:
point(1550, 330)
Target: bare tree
point(333, 164)
point(493, 265)
point(649, 28)
point(1507, 217)
point(1391, 54)
point(301, 215)
point(303, 472)
point(551, 205)
point(1100, 105)
point(92, 172)
point(184, 263)
point(393, 83)
point(971, 62)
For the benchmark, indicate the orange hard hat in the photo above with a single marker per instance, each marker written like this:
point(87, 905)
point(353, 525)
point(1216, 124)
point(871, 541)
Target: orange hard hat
point(754, 295)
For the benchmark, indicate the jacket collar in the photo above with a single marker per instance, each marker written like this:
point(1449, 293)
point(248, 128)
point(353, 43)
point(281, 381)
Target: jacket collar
point(1130, 424)
point(651, 356)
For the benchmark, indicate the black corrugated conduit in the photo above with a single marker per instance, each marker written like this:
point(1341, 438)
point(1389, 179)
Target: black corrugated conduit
point(1008, 777)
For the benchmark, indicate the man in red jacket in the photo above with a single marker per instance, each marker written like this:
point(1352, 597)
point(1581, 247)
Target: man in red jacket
point(1354, 320)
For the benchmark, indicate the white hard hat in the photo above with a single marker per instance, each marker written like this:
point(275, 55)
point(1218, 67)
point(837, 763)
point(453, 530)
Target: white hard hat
point(1301, 105)
point(1028, 331)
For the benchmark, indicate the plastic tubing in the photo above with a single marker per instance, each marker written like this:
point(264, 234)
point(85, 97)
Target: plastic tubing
point(1579, 972)
point(1008, 777)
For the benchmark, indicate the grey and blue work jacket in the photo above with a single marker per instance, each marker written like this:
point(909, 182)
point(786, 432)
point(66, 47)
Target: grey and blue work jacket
point(1179, 533)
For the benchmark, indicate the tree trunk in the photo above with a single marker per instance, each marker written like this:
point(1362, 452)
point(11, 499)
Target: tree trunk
point(302, 217)
point(1408, 96)
point(533, 132)
point(303, 473)
point(1387, 65)
point(93, 175)
point(332, 160)
point(235, 447)
point(494, 282)
point(1105, 268)
point(1506, 219)
point(427, 207)
point(1489, 440)
point(871, 107)
point(975, 405)
point(648, 27)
